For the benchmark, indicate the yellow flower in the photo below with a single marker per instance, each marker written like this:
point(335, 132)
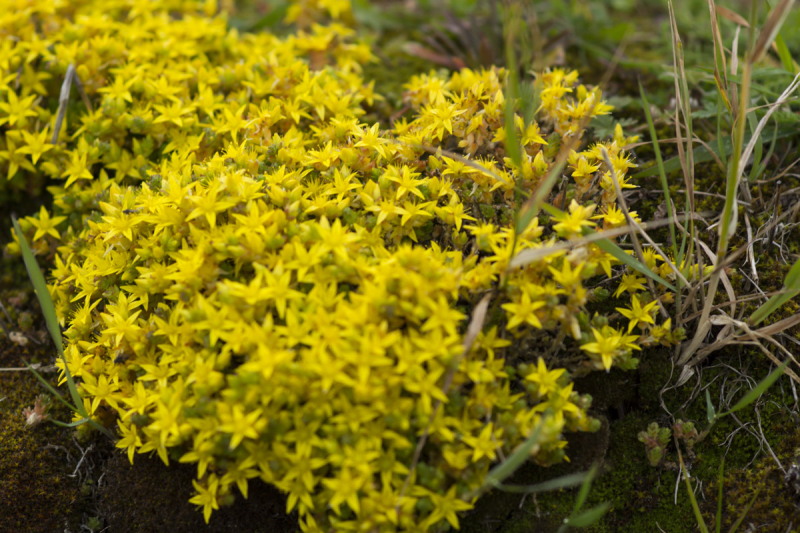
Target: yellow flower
point(606, 345)
point(101, 390)
point(546, 380)
point(239, 424)
point(573, 222)
point(445, 507)
point(524, 312)
point(630, 283)
point(638, 314)
point(206, 496)
point(45, 225)
point(344, 489)
point(486, 444)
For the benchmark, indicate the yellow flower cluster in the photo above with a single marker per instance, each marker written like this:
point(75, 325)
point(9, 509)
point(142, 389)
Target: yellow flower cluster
point(253, 280)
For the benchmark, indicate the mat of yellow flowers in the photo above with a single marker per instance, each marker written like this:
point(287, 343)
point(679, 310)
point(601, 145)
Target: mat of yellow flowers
point(254, 280)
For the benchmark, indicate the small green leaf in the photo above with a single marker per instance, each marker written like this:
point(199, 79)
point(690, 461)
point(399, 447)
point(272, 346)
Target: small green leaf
point(711, 413)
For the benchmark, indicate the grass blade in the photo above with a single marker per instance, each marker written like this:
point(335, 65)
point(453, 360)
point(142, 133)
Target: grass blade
point(660, 164)
point(593, 515)
point(758, 390)
point(771, 28)
point(513, 148)
point(763, 166)
point(702, 154)
point(625, 258)
point(585, 488)
point(785, 55)
point(563, 482)
point(711, 413)
point(718, 521)
point(273, 18)
point(759, 149)
point(791, 288)
point(617, 252)
point(697, 514)
point(590, 517)
point(40, 287)
point(49, 311)
point(515, 460)
point(745, 511)
point(50, 388)
point(77, 423)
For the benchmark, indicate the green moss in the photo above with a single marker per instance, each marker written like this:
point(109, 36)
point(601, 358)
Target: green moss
point(643, 497)
point(36, 494)
point(774, 506)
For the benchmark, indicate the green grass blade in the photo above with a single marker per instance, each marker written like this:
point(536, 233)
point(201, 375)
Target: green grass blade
point(744, 512)
point(785, 54)
point(718, 521)
point(697, 514)
point(82, 411)
point(531, 208)
point(276, 14)
point(720, 136)
point(759, 150)
point(83, 421)
point(660, 164)
point(49, 311)
point(515, 460)
point(50, 388)
point(40, 287)
point(617, 252)
point(791, 288)
point(513, 148)
point(563, 482)
point(620, 255)
point(77, 423)
point(593, 515)
point(590, 517)
point(702, 155)
point(586, 486)
point(783, 51)
point(771, 150)
point(711, 413)
point(758, 390)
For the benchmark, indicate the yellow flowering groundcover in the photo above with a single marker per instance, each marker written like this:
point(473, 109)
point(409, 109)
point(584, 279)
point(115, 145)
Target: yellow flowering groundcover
point(254, 280)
